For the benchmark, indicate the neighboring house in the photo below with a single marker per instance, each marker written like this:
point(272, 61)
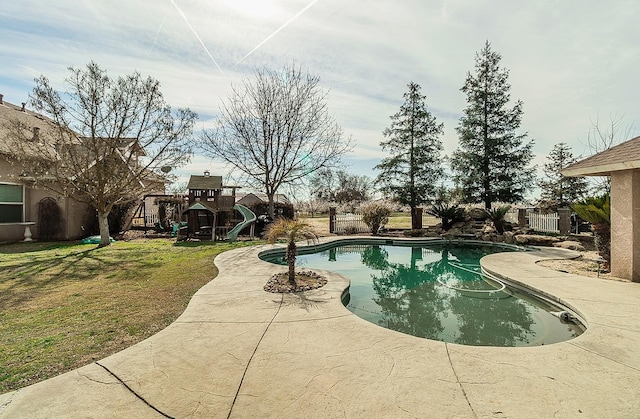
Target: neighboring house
point(252, 198)
point(27, 210)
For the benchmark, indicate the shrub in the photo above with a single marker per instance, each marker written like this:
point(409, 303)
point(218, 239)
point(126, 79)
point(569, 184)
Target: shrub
point(448, 214)
point(497, 216)
point(375, 216)
point(597, 211)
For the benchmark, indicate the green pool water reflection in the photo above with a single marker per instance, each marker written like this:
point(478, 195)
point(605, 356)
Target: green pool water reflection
point(436, 292)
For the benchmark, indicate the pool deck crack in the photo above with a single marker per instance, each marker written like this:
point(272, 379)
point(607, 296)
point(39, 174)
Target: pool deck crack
point(464, 393)
point(133, 392)
point(233, 403)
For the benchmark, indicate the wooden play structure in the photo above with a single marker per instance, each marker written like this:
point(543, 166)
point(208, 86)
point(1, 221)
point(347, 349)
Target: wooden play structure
point(212, 212)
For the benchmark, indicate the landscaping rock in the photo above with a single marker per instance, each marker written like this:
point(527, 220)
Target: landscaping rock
point(536, 240)
point(570, 244)
point(477, 214)
point(509, 237)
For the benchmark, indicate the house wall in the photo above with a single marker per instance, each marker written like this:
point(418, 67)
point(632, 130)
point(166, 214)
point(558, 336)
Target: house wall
point(73, 213)
point(625, 224)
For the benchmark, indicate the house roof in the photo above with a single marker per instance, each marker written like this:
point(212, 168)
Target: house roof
point(623, 156)
point(205, 182)
point(262, 197)
point(29, 125)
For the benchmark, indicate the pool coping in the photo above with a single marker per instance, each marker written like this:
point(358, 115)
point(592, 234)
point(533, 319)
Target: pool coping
point(239, 351)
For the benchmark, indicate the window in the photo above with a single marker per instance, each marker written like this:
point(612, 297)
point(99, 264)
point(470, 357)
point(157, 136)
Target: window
point(11, 203)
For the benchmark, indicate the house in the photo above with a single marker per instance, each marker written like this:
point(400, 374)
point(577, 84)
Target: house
point(622, 164)
point(251, 198)
point(30, 209)
point(25, 208)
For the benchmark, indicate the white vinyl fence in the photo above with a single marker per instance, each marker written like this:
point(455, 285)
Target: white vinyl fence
point(547, 223)
point(349, 224)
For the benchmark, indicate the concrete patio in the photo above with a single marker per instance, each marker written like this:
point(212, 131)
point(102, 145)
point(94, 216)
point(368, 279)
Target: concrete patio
point(240, 352)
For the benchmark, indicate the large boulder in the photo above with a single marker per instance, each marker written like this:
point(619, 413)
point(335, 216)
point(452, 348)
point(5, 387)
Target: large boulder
point(477, 214)
point(536, 240)
point(509, 237)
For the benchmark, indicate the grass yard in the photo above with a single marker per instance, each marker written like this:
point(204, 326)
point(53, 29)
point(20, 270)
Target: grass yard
point(64, 305)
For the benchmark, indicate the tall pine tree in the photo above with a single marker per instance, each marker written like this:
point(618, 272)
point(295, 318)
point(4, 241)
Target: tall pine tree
point(411, 173)
point(557, 190)
point(491, 163)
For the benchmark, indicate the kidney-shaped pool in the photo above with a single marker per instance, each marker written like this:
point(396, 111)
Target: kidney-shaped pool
point(437, 291)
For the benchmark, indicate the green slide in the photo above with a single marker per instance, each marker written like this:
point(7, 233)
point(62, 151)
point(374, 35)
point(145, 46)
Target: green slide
point(249, 218)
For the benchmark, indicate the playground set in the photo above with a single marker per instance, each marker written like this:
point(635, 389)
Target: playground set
point(209, 212)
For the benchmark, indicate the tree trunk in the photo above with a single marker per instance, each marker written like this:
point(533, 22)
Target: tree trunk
point(103, 223)
point(292, 251)
point(271, 206)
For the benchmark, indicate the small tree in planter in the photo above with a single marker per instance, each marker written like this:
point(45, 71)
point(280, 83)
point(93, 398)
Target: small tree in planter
point(375, 216)
point(292, 231)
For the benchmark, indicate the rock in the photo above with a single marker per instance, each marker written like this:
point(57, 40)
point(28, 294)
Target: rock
point(536, 240)
point(477, 214)
point(459, 225)
point(509, 237)
point(570, 244)
point(486, 237)
point(500, 238)
point(454, 231)
point(488, 229)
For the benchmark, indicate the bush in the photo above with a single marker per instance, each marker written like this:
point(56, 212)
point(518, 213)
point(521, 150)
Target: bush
point(497, 216)
point(449, 215)
point(375, 216)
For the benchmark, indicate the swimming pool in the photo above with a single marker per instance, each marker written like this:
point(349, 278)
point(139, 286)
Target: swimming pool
point(436, 291)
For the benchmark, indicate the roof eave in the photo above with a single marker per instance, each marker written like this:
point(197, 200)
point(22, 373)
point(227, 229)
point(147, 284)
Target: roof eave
point(600, 170)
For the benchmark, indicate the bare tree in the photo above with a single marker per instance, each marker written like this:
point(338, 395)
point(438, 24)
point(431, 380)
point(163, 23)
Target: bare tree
point(106, 139)
point(602, 137)
point(276, 129)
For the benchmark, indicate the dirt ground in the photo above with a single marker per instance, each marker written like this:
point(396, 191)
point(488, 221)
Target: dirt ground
point(584, 265)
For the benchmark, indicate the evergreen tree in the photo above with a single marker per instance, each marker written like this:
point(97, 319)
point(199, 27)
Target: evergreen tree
point(491, 163)
point(412, 172)
point(558, 190)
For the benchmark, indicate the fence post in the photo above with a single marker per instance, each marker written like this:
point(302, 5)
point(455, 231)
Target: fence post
point(564, 221)
point(332, 219)
point(522, 217)
point(419, 217)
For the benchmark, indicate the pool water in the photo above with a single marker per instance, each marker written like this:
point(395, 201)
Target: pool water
point(437, 292)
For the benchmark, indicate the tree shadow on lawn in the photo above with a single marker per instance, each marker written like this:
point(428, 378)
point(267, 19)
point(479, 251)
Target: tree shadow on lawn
point(24, 278)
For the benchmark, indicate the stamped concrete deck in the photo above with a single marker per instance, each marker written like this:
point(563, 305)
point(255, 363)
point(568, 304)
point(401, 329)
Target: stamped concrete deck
point(240, 352)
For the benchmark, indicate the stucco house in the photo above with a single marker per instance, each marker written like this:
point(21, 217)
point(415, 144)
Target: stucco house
point(20, 200)
point(622, 164)
point(29, 211)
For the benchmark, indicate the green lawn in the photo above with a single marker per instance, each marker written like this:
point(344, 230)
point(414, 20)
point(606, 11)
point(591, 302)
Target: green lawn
point(64, 305)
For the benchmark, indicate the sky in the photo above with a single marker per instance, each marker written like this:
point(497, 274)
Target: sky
point(573, 64)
